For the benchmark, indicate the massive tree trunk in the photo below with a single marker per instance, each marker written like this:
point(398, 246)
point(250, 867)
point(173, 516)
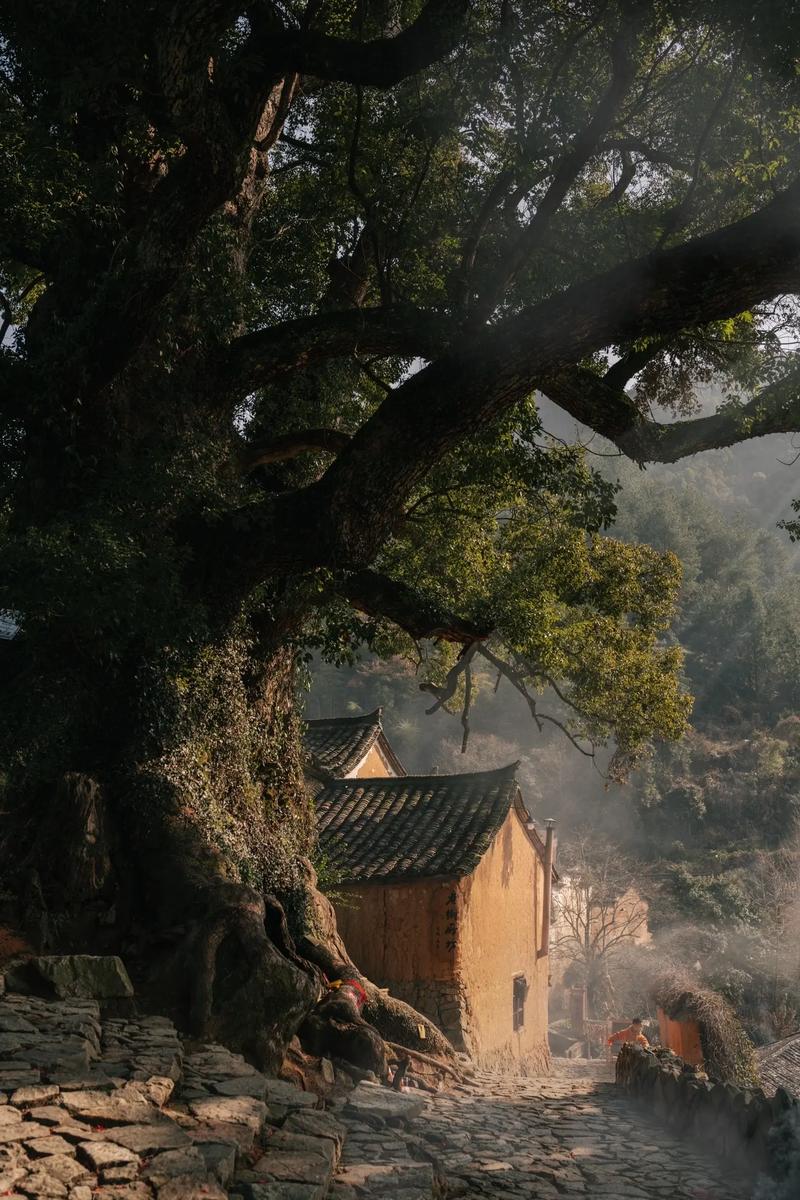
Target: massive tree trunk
point(159, 812)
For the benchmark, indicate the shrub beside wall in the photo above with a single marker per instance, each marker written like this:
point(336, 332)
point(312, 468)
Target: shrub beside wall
point(740, 1124)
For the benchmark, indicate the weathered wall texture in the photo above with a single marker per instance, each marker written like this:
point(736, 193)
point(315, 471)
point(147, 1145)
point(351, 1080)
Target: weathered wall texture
point(741, 1125)
point(500, 923)
point(398, 933)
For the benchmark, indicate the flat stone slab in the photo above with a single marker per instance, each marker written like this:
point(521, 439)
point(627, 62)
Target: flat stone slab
point(105, 1154)
point(29, 1097)
point(149, 1139)
point(175, 1164)
point(188, 1188)
point(53, 1144)
point(285, 1191)
point(242, 1085)
point(109, 1109)
point(22, 1131)
point(70, 975)
point(372, 1100)
point(240, 1137)
point(286, 1094)
point(230, 1110)
point(317, 1124)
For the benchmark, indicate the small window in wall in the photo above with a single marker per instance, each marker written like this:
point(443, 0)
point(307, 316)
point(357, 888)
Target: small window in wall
point(520, 991)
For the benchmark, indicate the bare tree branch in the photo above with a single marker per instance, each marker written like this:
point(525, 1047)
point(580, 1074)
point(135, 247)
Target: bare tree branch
point(448, 688)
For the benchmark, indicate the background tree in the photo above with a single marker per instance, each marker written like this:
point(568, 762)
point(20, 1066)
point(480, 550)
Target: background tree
point(600, 914)
point(279, 284)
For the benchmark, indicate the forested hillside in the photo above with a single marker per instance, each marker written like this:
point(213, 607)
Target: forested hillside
point(711, 819)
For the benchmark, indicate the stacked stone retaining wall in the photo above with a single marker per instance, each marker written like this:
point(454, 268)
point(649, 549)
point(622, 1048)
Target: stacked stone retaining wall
point(742, 1126)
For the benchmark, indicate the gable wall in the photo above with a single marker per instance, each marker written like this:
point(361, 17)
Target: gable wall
point(499, 934)
point(373, 765)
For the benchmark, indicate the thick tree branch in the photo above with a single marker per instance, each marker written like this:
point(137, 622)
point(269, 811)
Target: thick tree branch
point(290, 445)
point(258, 358)
point(377, 595)
point(611, 412)
point(382, 62)
point(345, 517)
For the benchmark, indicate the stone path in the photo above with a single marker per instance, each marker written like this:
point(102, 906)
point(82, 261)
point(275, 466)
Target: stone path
point(541, 1139)
point(118, 1107)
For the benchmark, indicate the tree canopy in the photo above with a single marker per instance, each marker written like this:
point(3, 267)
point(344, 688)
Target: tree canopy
point(340, 247)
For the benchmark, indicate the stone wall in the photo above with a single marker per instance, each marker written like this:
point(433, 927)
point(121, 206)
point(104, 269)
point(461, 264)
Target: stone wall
point(445, 1003)
point(742, 1126)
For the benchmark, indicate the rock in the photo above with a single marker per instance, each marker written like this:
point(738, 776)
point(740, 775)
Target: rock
point(81, 1193)
point(175, 1164)
point(372, 1100)
point(114, 1109)
point(125, 1173)
point(158, 1089)
point(40, 1183)
point(188, 1188)
point(19, 1076)
point(29, 1097)
point(125, 1191)
point(220, 1160)
point(66, 1170)
point(242, 1085)
point(282, 1141)
point(48, 1114)
point(294, 1167)
point(233, 1110)
point(148, 1139)
point(286, 1094)
point(240, 1137)
point(9, 1116)
point(53, 1144)
point(382, 1179)
point(316, 1124)
point(100, 1155)
point(12, 1022)
point(22, 1131)
point(101, 977)
point(284, 1191)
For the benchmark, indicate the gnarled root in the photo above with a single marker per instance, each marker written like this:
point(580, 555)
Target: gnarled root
point(390, 1018)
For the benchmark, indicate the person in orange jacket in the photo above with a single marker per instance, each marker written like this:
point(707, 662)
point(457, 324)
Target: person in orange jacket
point(632, 1034)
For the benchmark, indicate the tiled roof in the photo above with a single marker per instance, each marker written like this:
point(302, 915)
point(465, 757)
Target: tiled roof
point(8, 625)
point(779, 1065)
point(413, 827)
point(338, 745)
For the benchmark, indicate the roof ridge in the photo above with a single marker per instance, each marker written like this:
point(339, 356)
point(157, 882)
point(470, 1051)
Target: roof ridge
point(509, 770)
point(371, 718)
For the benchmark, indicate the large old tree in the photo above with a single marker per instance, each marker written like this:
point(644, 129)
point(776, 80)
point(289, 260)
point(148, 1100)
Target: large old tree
point(280, 283)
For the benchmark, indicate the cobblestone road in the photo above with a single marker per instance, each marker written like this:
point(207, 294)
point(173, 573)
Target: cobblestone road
point(569, 1135)
point(554, 1137)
